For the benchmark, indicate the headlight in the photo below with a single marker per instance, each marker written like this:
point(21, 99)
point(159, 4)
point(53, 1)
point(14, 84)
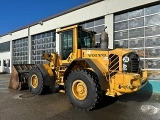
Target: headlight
point(124, 67)
point(125, 59)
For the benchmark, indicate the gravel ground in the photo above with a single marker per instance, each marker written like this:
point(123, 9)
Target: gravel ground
point(22, 105)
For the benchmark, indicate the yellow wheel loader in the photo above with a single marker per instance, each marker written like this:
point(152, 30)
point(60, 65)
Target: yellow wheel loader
point(86, 71)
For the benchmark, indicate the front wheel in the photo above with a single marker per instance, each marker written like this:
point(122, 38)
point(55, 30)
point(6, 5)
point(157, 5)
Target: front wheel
point(36, 81)
point(83, 89)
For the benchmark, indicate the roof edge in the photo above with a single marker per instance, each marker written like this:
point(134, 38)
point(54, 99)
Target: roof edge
point(54, 16)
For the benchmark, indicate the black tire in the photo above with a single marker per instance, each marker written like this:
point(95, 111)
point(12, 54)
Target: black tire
point(54, 88)
point(40, 88)
point(94, 92)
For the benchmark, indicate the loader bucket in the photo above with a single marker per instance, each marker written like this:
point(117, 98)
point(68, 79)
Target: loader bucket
point(19, 76)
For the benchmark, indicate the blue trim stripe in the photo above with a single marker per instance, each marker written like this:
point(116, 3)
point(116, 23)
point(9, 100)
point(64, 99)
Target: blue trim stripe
point(152, 86)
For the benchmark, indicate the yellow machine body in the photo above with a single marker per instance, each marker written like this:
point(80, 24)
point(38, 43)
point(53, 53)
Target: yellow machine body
point(83, 69)
point(102, 61)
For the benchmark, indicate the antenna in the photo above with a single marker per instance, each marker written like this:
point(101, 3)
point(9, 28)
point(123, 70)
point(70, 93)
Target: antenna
point(40, 22)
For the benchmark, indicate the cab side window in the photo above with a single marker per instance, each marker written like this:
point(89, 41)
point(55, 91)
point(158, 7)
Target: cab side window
point(67, 44)
point(84, 40)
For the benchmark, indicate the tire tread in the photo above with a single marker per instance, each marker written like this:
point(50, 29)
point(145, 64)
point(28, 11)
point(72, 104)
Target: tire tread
point(98, 93)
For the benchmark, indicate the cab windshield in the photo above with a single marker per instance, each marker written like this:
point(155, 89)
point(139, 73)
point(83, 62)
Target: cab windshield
point(84, 39)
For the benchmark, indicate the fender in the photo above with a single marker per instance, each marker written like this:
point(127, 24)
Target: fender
point(92, 64)
point(48, 75)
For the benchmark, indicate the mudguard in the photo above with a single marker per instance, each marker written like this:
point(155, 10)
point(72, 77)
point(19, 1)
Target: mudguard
point(92, 64)
point(48, 74)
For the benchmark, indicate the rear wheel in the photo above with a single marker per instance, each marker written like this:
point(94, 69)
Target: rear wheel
point(83, 89)
point(36, 81)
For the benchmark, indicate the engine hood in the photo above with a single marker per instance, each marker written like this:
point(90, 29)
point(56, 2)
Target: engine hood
point(120, 51)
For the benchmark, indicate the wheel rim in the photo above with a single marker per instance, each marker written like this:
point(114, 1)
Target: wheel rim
point(79, 89)
point(34, 81)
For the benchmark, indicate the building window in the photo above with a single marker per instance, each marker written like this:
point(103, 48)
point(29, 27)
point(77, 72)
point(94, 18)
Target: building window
point(20, 51)
point(96, 25)
point(5, 47)
point(139, 30)
point(43, 42)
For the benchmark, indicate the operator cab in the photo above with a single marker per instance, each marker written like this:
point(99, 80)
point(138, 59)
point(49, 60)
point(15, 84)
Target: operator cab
point(70, 40)
point(74, 38)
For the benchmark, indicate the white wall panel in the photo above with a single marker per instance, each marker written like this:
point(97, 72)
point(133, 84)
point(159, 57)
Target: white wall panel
point(19, 34)
point(80, 15)
point(14, 35)
point(5, 38)
point(109, 29)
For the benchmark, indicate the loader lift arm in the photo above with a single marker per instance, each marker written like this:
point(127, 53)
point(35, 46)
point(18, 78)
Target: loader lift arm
point(47, 56)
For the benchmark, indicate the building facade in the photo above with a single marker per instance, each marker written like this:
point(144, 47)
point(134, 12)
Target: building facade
point(134, 25)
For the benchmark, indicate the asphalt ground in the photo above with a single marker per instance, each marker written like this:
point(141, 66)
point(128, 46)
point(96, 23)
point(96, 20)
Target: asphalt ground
point(22, 105)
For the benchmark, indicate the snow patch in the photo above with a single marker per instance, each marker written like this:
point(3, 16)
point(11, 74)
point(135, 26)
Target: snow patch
point(3, 88)
point(149, 109)
point(17, 96)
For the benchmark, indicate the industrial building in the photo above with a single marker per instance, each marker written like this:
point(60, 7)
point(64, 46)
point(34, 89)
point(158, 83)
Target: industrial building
point(133, 24)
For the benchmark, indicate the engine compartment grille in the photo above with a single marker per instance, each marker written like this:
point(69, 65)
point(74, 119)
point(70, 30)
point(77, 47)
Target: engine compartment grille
point(135, 63)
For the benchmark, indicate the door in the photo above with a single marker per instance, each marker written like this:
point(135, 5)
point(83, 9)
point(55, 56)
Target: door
point(66, 44)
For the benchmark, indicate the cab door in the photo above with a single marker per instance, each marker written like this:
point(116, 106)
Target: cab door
point(66, 43)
